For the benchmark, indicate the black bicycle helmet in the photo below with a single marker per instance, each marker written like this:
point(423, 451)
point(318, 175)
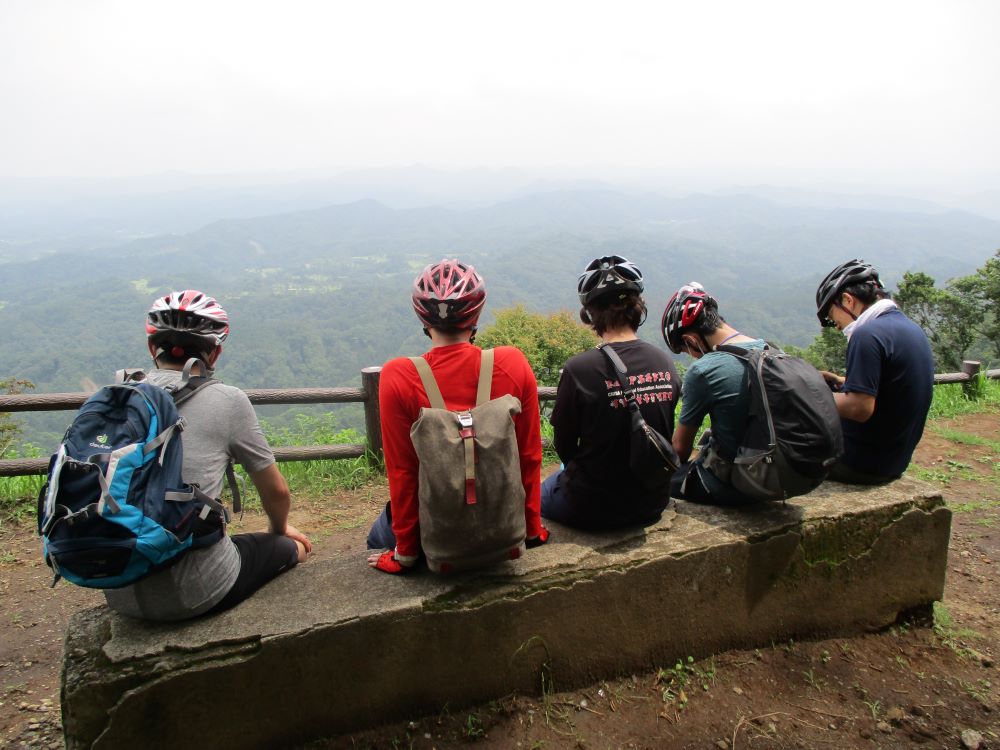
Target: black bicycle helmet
point(611, 274)
point(853, 272)
point(683, 312)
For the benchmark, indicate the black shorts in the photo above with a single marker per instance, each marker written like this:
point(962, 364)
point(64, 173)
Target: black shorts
point(263, 557)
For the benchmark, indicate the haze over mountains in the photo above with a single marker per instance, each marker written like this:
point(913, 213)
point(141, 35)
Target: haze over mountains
point(316, 294)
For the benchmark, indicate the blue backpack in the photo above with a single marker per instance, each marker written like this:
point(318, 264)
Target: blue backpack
point(115, 507)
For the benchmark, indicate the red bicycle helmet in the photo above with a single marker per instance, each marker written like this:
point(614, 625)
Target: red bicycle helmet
point(449, 294)
point(189, 313)
point(682, 313)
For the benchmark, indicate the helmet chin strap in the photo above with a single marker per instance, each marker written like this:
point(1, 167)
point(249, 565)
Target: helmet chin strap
point(472, 333)
point(853, 316)
point(701, 349)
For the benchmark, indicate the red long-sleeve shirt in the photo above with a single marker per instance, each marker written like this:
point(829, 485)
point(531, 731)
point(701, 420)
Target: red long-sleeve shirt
point(456, 369)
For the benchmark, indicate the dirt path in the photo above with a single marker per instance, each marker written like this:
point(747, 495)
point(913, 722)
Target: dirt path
point(912, 685)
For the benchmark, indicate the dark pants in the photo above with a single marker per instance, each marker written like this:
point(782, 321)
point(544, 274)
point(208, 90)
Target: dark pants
point(696, 484)
point(555, 505)
point(841, 472)
point(263, 557)
point(381, 536)
point(559, 507)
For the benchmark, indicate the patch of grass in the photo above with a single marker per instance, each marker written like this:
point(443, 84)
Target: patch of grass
point(964, 438)
point(473, 729)
point(980, 690)
point(973, 506)
point(875, 707)
point(814, 681)
point(944, 473)
point(549, 454)
point(950, 399)
point(928, 475)
point(315, 477)
point(685, 674)
point(949, 633)
point(18, 495)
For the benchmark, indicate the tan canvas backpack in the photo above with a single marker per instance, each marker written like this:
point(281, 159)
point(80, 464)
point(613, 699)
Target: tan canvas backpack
point(471, 497)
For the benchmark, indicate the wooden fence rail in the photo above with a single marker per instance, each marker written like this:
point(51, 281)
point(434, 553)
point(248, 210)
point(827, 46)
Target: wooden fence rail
point(367, 395)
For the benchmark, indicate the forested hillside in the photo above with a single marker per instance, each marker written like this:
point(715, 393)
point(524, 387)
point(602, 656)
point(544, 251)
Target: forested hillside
point(316, 295)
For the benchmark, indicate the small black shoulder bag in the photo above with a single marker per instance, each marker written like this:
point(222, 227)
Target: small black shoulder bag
point(652, 458)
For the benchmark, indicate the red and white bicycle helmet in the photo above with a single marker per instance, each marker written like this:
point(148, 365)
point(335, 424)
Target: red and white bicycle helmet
point(449, 294)
point(189, 313)
point(683, 313)
point(611, 274)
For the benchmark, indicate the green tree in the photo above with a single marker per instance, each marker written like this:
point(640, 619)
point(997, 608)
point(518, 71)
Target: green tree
point(10, 429)
point(983, 288)
point(546, 340)
point(949, 316)
point(828, 351)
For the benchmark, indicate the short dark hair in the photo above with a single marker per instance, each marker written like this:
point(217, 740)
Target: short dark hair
point(709, 321)
point(606, 313)
point(188, 346)
point(866, 293)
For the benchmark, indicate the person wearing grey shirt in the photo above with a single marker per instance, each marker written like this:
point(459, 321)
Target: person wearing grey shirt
point(220, 426)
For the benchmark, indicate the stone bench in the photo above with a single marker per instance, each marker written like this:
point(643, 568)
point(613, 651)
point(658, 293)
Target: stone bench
point(333, 647)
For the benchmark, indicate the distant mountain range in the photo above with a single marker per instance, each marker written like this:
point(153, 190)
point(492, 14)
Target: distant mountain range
point(315, 295)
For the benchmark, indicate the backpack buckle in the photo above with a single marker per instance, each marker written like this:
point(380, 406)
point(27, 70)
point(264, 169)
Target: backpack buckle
point(468, 434)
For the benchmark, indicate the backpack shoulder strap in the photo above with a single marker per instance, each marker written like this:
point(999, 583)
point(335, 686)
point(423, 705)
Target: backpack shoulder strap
point(744, 353)
point(191, 384)
point(485, 377)
point(754, 360)
point(736, 351)
point(430, 384)
point(129, 375)
point(620, 368)
point(189, 389)
point(616, 361)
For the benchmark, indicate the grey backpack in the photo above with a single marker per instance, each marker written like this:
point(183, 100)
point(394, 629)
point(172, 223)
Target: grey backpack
point(471, 507)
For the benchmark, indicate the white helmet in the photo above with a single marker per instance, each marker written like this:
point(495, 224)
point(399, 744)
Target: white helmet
point(189, 313)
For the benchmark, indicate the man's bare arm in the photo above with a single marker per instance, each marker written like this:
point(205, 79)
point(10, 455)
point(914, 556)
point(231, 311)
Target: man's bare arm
point(858, 407)
point(683, 440)
point(277, 500)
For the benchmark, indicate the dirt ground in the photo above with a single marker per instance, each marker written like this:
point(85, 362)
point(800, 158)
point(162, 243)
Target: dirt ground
point(916, 684)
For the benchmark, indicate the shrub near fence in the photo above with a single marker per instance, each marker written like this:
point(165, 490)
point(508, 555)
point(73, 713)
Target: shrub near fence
point(969, 378)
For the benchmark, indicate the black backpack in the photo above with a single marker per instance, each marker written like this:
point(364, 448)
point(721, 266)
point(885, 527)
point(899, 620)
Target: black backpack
point(794, 436)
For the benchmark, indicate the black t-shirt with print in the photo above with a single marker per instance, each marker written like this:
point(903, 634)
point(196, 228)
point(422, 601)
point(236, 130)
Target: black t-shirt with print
point(592, 426)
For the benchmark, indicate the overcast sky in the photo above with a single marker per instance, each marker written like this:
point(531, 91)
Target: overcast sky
point(866, 92)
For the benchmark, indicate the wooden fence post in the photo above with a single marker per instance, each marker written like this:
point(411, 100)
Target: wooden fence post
point(373, 424)
point(971, 386)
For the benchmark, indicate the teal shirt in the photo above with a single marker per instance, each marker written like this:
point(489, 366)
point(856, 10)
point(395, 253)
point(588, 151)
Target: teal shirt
point(716, 385)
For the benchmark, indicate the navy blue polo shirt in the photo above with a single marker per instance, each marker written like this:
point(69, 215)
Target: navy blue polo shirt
point(889, 358)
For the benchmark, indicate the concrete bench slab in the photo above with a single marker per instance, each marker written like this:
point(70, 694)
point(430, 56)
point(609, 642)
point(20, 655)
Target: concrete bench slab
point(334, 647)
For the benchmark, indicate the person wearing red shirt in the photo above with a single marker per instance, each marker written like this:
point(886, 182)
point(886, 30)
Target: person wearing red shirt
point(448, 298)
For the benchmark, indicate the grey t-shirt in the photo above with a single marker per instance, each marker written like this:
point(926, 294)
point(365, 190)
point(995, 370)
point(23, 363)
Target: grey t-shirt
point(221, 424)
